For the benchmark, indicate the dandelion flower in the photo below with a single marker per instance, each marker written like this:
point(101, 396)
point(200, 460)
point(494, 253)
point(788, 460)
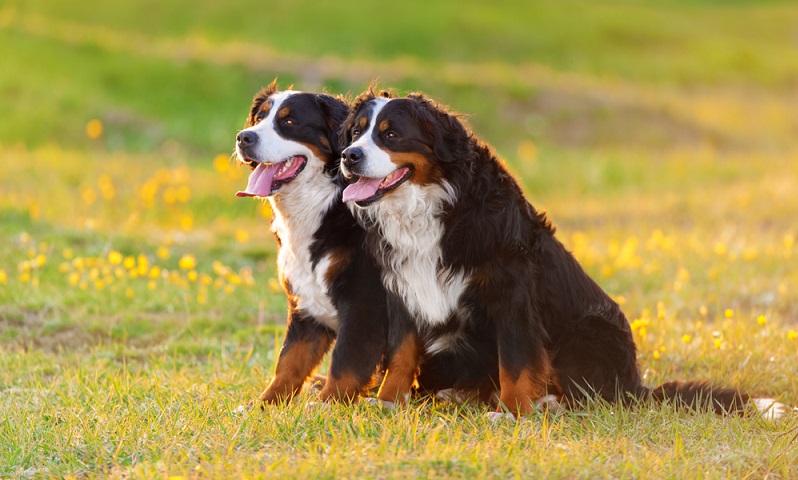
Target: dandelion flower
point(792, 335)
point(143, 265)
point(94, 129)
point(728, 313)
point(761, 320)
point(88, 195)
point(188, 262)
point(155, 271)
point(186, 222)
point(3, 277)
point(656, 354)
point(221, 163)
point(717, 342)
point(274, 285)
point(115, 258)
point(686, 338)
point(242, 236)
point(162, 253)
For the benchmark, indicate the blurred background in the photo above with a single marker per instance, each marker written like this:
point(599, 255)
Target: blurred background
point(661, 136)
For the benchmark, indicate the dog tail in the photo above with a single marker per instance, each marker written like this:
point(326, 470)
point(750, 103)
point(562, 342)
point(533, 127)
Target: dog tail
point(703, 396)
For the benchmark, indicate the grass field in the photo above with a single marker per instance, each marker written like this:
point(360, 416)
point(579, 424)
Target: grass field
point(138, 301)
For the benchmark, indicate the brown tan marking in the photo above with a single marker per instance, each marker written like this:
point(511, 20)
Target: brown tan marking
point(518, 394)
point(295, 365)
point(284, 112)
point(362, 122)
point(339, 259)
point(318, 153)
point(402, 371)
point(345, 388)
point(264, 107)
point(325, 142)
point(424, 171)
point(384, 125)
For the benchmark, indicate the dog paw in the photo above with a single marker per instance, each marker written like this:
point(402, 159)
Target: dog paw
point(497, 417)
point(548, 403)
point(318, 405)
point(380, 403)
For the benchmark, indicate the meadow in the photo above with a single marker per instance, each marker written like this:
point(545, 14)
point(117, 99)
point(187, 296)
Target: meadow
point(139, 309)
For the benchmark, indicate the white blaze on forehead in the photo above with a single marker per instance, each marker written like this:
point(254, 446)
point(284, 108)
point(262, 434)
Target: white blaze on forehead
point(271, 146)
point(376, 162)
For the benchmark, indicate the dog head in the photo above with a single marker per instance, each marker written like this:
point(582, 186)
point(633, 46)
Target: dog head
point(286, 132)
point(392, 141)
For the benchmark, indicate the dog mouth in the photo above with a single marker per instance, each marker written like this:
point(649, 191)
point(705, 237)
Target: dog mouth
point(268, 178)
point(366, 191)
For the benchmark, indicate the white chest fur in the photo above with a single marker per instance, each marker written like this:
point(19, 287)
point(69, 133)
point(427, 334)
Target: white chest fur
point(298, 212)
point(411, 232)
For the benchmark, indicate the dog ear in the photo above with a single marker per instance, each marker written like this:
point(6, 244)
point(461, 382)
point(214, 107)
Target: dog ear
point(447, 134)
point(344, 137)
point(335, 111)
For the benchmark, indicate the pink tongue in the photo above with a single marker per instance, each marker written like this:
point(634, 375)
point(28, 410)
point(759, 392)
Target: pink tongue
point(362, 189)
point(260, 181)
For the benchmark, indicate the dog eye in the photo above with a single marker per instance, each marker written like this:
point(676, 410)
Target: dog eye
point(288, 121)
point(260, 116)
point(390, 135)
point(355, 132)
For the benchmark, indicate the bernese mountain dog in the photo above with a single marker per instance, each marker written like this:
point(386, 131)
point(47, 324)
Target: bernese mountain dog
point(291, 142)
point(476, 274)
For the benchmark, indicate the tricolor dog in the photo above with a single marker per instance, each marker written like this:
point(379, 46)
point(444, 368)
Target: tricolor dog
point(476, 272)
point(333, 286)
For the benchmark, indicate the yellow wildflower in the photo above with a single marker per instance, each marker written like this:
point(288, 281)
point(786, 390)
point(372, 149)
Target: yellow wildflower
point(274, 285)
point(761, 320)
point(728, 313)
point(686, 338)
point(221, 163)
point(162, 253)
point(188, 262)
point(115, 258)
point(94, 129)
point(242, 236)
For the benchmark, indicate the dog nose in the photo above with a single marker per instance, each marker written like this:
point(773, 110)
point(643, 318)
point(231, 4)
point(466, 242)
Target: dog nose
point(352, 156)
point(247, 138)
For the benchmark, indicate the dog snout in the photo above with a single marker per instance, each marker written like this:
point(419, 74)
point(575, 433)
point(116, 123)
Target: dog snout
point(246, 138)
point(352, 156)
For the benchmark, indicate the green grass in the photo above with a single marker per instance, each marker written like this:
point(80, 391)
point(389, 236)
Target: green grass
point(660, 138)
